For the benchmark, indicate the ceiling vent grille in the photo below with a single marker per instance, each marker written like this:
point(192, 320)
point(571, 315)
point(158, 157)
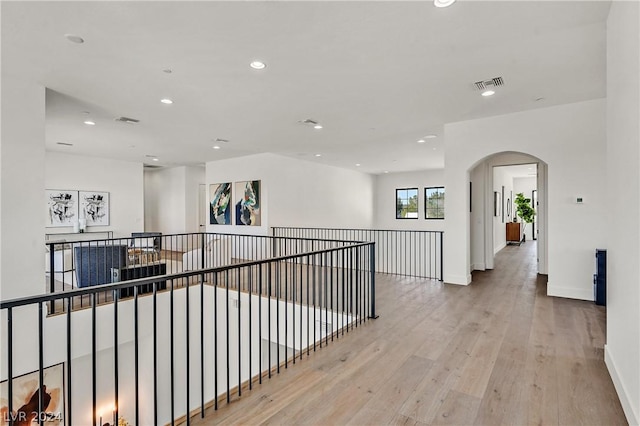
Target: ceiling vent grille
point(308, 122)
point(152, 166)
point(493, 82)
point(127, 120)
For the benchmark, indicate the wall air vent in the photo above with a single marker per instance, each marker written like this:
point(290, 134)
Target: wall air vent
point(491, 83)
point(127, 120)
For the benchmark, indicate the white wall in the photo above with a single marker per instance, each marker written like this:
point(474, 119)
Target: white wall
point(574, 155)
point(503, 184)
point(171, 199)
point(122, 179)
point(525, 185)
point(622, 351)
point(385, 199)
point(298, 193)
point(22, 216)
point(481, 207)
point(194, 176)
point(164, 200)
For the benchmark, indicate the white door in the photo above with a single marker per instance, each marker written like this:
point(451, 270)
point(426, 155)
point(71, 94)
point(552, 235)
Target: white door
point(203, 209)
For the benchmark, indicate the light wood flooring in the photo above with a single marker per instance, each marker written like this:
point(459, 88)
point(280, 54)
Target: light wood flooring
point(498, 351)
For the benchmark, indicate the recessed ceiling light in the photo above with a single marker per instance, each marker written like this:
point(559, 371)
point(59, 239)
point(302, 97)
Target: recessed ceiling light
point(421, 141)
point(386, 171)
point(317, 126)
point(74, 38)
point(357, 164)
point(318, 155)
point(216, 147)
point(156, 159)
point(257, 65)
point(90, 123)
point(431, 136)
point(488, 93)
point(443, 3)
point(434, 148)
point(166, 101)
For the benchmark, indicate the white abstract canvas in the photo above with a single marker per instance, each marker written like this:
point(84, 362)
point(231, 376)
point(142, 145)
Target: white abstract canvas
point(94, 207)
point(62, 207)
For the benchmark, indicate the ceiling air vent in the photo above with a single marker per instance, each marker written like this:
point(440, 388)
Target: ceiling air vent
point(127, 120)
point(485, 84)
point(152, 166)
point(308, 121)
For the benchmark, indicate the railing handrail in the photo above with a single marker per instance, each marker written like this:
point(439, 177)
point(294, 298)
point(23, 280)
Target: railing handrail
point(30, 300)
point(354, 229)
point(186, 234)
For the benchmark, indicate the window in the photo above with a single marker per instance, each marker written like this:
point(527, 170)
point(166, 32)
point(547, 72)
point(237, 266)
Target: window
point(434, 203)
point(407, 203)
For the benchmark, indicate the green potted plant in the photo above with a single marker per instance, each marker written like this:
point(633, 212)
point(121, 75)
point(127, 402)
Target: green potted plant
point(524, 210)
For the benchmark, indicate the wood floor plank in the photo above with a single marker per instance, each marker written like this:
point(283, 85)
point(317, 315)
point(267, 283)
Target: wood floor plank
point(498, 351)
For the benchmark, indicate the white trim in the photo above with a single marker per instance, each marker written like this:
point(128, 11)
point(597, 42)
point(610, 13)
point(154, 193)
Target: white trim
point(478, 266)
point(500, 247)
point(629, 412)
point(570, 293)
point(457, 279)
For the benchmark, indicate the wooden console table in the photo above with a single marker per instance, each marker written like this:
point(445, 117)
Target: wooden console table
point(513, 233)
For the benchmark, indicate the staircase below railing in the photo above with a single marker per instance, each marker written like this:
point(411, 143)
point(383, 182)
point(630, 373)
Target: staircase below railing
point(163, 347)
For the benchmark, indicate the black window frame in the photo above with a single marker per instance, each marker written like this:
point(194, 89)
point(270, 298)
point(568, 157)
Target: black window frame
point(427, 209)
point(417, 190)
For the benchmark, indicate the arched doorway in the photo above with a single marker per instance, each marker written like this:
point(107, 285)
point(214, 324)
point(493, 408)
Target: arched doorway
point(490, 210)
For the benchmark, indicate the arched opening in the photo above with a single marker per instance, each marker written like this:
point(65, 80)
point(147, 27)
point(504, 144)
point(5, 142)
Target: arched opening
point(494, 182)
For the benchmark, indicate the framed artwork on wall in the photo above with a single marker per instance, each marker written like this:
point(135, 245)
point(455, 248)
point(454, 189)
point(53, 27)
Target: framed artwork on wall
point(62, 207)
point(502, 204)
point(220, 203)
point(496, 203)
point(26, 397)
point(94, 208)
point(247, 196)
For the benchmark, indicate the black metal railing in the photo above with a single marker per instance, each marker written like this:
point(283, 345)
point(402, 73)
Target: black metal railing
point(81, 263)
point(399, 252)
point(172, 346)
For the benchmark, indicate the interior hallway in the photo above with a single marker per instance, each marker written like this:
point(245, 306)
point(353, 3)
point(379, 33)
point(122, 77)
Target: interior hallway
point(498, 351)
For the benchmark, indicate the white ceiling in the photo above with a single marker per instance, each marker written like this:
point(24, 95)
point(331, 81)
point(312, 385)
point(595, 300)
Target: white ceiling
point(377, 75)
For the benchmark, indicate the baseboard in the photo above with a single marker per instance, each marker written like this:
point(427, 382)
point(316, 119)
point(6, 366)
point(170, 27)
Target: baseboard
point(478, 267)
point(500, 247)
point(570, 293)
point(629, 411)
point(457, 279)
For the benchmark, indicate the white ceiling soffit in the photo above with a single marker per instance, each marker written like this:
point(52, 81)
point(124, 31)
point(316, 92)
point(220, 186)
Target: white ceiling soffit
point(378, 76)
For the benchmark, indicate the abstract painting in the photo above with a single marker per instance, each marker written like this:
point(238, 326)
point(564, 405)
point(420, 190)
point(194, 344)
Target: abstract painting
point(248, 203)
point(62, 207)
point(220, 204)
point(94, 207)
point(26, 396)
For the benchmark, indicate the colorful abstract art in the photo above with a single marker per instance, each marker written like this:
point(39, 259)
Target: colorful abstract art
point(94, 208)
point(220, 204)
point(26, 396)
point(248, 203)
point(62, 207)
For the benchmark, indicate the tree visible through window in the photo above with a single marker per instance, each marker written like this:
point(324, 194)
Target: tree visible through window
point(407, 203)
point(434, 203)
